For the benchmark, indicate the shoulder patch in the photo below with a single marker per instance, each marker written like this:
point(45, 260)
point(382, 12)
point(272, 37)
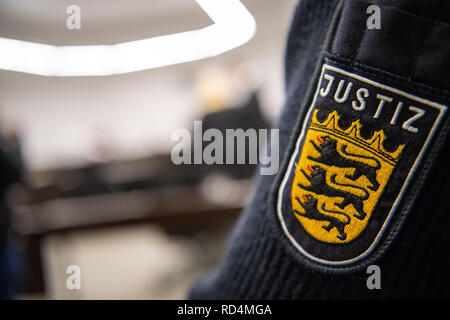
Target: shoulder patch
point(358, 152)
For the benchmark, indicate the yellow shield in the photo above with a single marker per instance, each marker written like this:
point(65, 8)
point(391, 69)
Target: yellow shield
point(339, 179)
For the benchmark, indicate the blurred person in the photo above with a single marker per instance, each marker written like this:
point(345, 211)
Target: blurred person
point(11, 172)
point(229, 97)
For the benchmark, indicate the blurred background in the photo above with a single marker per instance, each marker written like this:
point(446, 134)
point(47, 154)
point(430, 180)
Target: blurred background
point(87, 177)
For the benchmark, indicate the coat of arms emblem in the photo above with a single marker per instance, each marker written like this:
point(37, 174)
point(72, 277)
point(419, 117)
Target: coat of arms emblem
point(350, 173)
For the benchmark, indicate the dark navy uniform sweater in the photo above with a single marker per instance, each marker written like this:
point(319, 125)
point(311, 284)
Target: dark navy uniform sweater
point(365, 148)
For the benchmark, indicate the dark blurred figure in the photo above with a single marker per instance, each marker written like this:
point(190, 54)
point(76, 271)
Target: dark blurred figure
point(216, 88)
point(10, 172)
point(246, 116)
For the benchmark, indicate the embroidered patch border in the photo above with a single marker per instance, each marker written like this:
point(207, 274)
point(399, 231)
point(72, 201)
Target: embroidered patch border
point(332, 120)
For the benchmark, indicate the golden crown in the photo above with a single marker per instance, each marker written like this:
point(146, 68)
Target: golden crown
point(375, 143)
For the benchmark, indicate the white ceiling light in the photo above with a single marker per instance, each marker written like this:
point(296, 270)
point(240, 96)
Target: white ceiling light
point(233, 26)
